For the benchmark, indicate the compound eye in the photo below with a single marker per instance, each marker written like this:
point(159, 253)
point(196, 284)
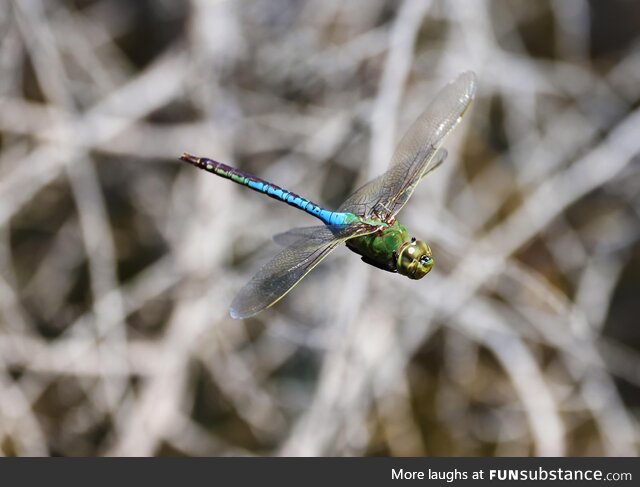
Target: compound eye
point(424, 260)
point(413, 239)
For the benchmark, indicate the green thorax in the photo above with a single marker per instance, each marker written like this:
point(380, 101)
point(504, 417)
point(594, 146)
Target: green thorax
point(380, 248)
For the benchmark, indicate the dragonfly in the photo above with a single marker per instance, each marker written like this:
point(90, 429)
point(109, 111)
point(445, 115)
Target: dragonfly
point(366, 221)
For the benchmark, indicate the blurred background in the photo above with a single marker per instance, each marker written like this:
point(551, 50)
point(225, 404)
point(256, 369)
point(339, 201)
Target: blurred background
point(118, 262)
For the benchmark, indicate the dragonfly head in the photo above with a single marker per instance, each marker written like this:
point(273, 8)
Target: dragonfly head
point(414, 259)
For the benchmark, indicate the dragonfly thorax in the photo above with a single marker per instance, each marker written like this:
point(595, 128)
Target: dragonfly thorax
point(391, 249)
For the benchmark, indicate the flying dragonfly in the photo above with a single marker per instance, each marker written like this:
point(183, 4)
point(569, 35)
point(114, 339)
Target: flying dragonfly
point(366, 221)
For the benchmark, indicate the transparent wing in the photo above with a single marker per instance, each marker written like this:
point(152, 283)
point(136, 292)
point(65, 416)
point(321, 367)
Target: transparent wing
point(296, 234)
point(438, 159)
point(406, 193)
point(285, 270)
point(416, 154)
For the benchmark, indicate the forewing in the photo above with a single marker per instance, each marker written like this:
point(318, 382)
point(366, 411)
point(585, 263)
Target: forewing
point(285, 270)
point(433, 164)
point(413, 157)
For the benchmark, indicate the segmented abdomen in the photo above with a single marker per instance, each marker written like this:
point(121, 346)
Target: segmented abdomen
point(276, 192)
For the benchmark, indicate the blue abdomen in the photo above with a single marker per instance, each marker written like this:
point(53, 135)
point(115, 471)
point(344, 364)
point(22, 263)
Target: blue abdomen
point(276, 192)
point(327, 216)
